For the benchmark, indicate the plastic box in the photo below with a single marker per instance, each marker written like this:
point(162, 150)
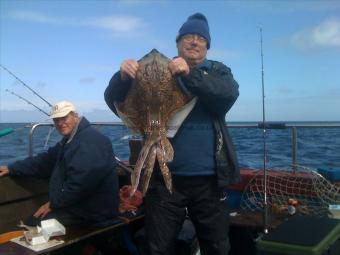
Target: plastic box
point(335, 211)
point(49, 228)
point(302, 235)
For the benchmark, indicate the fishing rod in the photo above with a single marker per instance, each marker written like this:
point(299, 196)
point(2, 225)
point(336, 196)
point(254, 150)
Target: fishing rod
point(27, 101)
point(123, 165)
point(265, 202)
point(28, 87)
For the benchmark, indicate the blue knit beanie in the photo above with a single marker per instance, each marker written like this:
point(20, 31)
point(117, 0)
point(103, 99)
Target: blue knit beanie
point(195, 24)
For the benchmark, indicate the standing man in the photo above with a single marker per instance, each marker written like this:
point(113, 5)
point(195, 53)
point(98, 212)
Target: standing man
point(83, 184)
point(205, 160)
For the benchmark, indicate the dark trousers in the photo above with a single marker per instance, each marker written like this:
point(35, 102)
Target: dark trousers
point(205, 204)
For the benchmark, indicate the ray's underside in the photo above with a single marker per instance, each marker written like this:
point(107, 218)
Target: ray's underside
point(151, 101)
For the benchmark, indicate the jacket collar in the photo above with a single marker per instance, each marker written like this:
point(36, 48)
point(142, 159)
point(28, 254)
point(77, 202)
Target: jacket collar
point(82, 124)
point(205, 65)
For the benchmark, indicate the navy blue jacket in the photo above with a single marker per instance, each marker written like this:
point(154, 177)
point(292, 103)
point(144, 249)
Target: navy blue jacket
point(82, 175)
point(217, 91)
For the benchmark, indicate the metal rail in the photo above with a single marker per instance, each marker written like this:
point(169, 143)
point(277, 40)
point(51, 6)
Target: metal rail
point(35, 126)
point(269, 125)
point(294, 132)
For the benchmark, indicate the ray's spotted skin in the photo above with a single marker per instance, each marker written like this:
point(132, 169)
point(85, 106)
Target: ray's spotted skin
point(151, 101)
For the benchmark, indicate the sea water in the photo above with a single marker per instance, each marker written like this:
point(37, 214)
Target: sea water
point(316, 147)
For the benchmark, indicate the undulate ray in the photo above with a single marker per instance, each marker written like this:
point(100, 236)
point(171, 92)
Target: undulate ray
point(153, 98)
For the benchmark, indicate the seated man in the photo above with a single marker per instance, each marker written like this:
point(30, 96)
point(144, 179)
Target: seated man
point(83, 184)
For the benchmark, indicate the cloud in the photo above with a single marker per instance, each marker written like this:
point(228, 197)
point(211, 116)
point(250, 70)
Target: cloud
point(87, 80)
point(287, 7)
point(326, 34)
point(285, 91)
point(97, 115)
point(15, 82)
point(223, 54)
point(102, 67)
point(333, 92)
point(12, 116)
point(41, 84)
point(119, 25)
point(34, 17)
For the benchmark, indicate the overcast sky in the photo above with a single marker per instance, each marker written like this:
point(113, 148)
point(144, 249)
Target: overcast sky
point(68, 50)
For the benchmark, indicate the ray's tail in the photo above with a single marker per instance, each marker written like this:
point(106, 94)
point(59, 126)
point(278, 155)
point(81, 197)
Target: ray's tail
point(149, 165)
point(135, 176)
point(165, 153)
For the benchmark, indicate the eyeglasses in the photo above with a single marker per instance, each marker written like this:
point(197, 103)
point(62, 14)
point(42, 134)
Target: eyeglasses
point(191, 37)
point(62, 119)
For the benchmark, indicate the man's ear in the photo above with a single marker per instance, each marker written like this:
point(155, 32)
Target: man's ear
point(177, 45)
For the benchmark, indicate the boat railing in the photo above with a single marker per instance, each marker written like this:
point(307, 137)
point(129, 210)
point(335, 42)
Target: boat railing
point(269, 125)
point(294, 133)
point(37, 125)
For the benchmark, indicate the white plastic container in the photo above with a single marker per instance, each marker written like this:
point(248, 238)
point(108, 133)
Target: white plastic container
point(335, 211)
point(52, 227)
point(48, 229)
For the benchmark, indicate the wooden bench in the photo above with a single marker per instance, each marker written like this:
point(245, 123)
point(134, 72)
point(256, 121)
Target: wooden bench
point(21, 197)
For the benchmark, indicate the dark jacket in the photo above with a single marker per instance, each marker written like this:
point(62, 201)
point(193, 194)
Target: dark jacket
point(82, 176)
point(217, 90)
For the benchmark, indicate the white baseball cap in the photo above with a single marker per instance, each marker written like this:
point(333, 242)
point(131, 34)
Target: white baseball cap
point(61, 109)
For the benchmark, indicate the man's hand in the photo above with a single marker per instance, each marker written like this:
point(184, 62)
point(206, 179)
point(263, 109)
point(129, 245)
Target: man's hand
point(43, 211)
point(179, 66)
point(128, 69)
point(4, 171)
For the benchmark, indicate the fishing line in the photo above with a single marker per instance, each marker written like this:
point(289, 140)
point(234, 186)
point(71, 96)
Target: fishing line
point(24, 84)
point(50, 131)
point(27, 101)
point(123, 165)
point(265, 201)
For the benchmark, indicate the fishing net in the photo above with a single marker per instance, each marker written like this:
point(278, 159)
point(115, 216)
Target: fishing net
point(309, 191)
